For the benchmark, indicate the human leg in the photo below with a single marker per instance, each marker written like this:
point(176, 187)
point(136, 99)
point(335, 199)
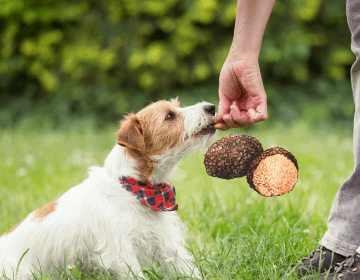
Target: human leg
point(343, 235)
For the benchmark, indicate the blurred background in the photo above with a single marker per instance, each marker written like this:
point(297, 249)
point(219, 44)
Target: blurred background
point(61, 60)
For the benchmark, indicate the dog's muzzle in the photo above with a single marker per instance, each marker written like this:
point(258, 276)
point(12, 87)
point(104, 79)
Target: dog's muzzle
point(206, 130)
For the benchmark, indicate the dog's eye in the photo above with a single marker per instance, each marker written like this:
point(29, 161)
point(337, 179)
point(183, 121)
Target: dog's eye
point(170, 116)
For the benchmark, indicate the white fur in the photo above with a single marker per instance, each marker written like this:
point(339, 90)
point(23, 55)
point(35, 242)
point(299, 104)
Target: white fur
point(98, 221)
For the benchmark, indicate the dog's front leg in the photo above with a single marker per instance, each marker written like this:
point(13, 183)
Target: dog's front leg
point(180, 260)
point(127, 268)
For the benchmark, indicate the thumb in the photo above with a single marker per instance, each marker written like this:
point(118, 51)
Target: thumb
point(261, 112)
point(224, 108)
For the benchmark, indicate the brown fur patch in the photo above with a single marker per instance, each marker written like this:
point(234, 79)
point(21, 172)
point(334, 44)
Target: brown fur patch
point(157, 134)
point(14, 227)
point(42, 212)
point(130, 133)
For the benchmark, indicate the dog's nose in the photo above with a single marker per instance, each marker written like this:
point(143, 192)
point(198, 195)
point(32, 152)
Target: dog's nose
point(210, 109)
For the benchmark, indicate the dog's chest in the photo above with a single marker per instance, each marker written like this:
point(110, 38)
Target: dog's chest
point(153, 235)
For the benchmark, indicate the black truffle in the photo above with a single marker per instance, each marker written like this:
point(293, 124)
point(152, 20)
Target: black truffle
point(273, 173)
point(230, 157)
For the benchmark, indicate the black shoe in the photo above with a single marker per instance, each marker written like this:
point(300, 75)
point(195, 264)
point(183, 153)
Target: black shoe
point(319, 260)
point(347, 270)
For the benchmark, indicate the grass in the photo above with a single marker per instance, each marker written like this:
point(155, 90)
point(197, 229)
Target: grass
point(233, 232)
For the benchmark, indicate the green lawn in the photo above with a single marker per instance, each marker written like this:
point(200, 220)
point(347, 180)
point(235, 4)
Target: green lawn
point(233, 232)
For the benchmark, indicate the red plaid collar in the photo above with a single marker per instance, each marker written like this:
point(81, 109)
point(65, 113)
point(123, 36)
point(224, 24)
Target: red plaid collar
point(159, 197)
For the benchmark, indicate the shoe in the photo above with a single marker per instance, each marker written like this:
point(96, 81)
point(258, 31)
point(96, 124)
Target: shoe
point(319, 261)
point(347, 270)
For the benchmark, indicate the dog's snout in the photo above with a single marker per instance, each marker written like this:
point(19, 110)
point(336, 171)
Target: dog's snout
point(210, 109)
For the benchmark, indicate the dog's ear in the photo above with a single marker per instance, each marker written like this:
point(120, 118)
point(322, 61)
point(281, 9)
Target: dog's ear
point(130, 133)
point(175, 102)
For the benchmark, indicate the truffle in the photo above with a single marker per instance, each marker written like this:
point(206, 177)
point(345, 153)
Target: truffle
point(230, 157)
point(273, 173)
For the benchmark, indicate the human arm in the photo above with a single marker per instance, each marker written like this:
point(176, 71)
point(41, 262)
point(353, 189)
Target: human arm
point(240, 79)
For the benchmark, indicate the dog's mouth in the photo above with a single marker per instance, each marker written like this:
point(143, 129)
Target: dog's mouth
point(206, 130)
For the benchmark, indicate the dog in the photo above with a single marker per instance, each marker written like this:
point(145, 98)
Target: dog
point(123, 216)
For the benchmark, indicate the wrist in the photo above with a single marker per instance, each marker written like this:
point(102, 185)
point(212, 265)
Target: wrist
point(237, 54)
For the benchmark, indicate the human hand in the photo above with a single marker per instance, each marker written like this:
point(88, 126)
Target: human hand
point(240, 82)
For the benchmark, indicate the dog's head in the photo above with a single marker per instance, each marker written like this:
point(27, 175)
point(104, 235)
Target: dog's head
point(162, 133)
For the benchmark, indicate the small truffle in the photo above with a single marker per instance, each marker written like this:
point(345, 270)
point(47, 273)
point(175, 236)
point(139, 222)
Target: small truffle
point(273, 173)
point(230, 157)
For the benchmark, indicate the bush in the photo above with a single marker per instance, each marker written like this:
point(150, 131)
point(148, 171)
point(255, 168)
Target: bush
point(104, 57)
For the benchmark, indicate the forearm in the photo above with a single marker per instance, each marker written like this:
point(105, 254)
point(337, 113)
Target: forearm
point(251, 19)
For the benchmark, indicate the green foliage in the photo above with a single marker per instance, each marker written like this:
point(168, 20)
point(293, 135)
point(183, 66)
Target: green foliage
point(105, 57)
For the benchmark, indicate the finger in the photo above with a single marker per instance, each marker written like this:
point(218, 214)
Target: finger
point(221, 126)
point(240, 117)
point(223, 109)
point(261, 112)
point(251, 113)
point(231, 123)
point(224, 126)
point(249, 117)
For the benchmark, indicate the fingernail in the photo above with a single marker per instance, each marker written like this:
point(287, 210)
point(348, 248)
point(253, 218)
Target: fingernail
point(252, 113)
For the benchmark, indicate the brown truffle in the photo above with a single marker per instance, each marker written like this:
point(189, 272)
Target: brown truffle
point(230, 157)
point(273, 173)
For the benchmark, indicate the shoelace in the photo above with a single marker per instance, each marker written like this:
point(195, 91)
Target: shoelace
point(342, 267)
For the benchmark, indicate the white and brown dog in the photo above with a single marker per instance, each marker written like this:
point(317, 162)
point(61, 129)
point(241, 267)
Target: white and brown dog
point(120, 217)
